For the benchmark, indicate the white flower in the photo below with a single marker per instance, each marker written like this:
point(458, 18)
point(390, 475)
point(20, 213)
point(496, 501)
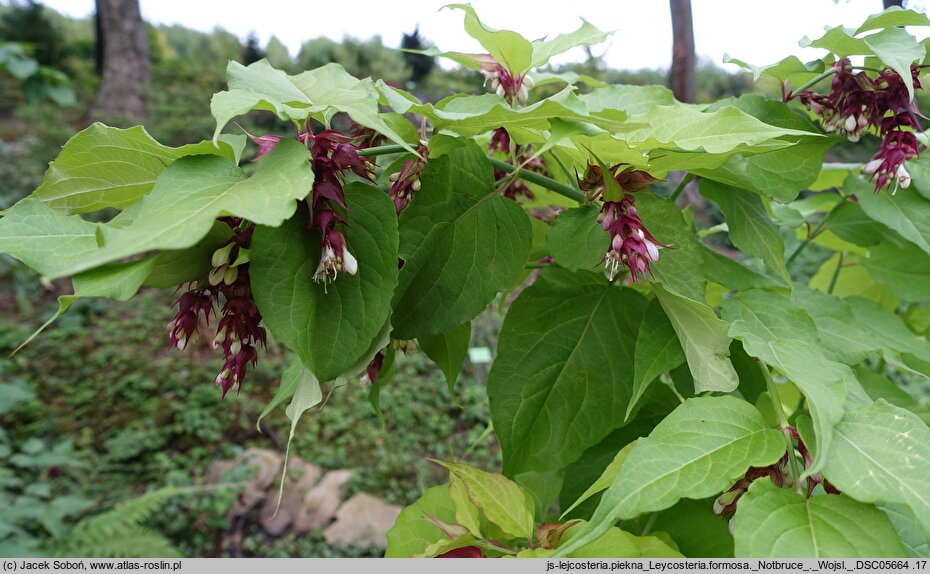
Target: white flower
point(331, 264)
point(872, 166)
point(903, 178)
point(652, 249)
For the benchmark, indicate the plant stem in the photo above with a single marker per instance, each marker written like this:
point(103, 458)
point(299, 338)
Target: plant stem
point(541, 180)
point(836, 272)
point(782, 424)
point(812, 234)
point(814, 81)
point(531, 176)
point(688, 178)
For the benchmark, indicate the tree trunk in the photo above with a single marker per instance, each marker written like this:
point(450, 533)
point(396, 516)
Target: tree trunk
point(124, 49)
point(889, 3)
point(683, 58)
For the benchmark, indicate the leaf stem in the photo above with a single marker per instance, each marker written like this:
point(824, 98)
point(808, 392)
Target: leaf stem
point(813, 234)
point(836, 272)
point(688, 178)
point(813, 82)
point(530, 176)
point(783, 425)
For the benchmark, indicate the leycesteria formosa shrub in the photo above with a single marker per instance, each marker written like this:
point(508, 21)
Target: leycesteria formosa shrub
point(651, 395)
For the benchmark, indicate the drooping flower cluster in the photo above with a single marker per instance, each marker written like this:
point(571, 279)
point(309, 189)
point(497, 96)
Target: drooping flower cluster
point(518, 156)
point(239, 329)
point(406, 182)
point(779, 473)
point(857, 103)
point(500, 81)
point(631, 244)
point(332, 154)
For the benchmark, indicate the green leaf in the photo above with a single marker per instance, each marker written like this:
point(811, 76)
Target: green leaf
point(848, 222)
point(616, 543)
point(758, 317)
point(323, 92)
point(751, 229)
point(286, 388)
point(893, 16)
point(568, 338)
point(782, 173)
point(657, 351)
point(678, 269)
point(193, 191)
point(44, 239)
point(841, 336)
point(726, 130)
point(888, 329)
point(172, 268)
point(586, 35)
point(111, 167)
point(448, 350)
point(916, 543)
point(329, 326)
point(412, 533)
point(703, 337)
point(576, 240)
point(774, 522)
point(898, 50)
point(906, 270)
point(730, 273)
point(511, 50)
point(790, 69)
point(902, 212)
point(698, 532)
point(881, 453)
point(823, 383)
point(461, 242)
point(838, 40)
point(853, 280)
point(501, 500)
point(628, 98)
point(117, 281)
point(695, 452)
point(604, 481)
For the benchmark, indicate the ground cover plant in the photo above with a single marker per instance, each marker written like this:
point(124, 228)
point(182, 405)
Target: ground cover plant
point(651, 395)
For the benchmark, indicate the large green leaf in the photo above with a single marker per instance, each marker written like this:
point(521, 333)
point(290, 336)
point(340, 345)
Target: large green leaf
point(687, 128)
point(698, 532)
point(412, 533)
point(848, 222)
point(790, 69)
point(192, 192)
point(329, 327)
point(45, 239)
point(841, 337)
point(915, 542)
point(323, 91)
point(616, 543)
point(881, 453)
point(750, 227)
point(576, 240)
point(898, 50)
point(758, 317)
point(501, 500)
point(703, 337)
point(657, 351)
point(448, 350)
point(781, 173)
point(774, 522)
point(461, 243)
point(904, 212)
point(562, 378)
point(887, 329)
point(103, 167)
point(679, 268)
point(511, 50)
point(627, 97)
point(695, 452)
point(730, 273)
point(585, 35)
point(905, 270)
point(893, 16)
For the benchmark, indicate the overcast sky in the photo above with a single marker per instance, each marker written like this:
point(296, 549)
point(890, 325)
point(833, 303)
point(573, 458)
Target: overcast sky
point(757, 31)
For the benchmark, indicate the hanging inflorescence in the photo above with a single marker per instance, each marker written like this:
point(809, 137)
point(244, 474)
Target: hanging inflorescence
point(858, 103)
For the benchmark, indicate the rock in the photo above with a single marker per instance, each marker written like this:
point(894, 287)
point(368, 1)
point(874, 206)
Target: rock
point(267, 465)
point(363, 520)
point(301, 478)
point(320, 503)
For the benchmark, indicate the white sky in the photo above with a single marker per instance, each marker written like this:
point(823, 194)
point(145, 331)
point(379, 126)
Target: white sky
point(757, 31)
